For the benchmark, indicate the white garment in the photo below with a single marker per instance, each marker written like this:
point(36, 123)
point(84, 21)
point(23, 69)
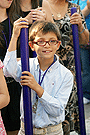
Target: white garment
point(57, 85)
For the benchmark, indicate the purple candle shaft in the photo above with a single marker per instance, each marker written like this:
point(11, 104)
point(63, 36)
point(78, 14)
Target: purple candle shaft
point(78, 75)
point(24, 48)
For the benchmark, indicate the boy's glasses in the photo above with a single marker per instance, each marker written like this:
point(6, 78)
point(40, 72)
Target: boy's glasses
point(43, 43)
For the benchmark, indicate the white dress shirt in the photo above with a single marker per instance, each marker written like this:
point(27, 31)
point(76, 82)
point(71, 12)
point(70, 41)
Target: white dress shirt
point(57, 85)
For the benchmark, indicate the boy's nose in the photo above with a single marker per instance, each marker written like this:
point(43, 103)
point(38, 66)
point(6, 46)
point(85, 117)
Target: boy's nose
point(47, 44)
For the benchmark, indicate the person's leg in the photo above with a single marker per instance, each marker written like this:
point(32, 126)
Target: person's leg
point(85, 59)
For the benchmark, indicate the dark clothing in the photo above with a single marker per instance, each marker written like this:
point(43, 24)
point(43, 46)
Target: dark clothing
point(5, 29)
point(10, 113)
point(85, 59)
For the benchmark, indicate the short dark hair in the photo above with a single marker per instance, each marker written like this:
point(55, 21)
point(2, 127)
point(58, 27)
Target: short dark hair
point(44, 27)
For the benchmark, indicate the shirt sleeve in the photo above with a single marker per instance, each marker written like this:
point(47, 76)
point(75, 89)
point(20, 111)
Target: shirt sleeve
point(12, 68)
point(55, 105)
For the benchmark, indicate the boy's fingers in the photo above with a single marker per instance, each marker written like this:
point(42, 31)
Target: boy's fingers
point(23, 81)
point(27, 72)
point(24, 77)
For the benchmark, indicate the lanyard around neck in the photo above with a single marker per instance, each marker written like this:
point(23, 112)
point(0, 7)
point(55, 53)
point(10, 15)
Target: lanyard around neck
point(9, 34)
point(40, 82)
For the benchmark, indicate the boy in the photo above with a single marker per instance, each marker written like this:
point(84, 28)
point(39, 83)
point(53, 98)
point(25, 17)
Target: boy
point(47, 77)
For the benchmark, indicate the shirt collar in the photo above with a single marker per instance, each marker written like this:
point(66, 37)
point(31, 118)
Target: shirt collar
point(54, 66)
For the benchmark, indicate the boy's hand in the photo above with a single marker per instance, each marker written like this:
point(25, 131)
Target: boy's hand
point(29, 80)
point(18, 24)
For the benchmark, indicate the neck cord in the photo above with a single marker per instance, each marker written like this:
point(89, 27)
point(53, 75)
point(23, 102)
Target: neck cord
point(34, 107)
point(40, 82)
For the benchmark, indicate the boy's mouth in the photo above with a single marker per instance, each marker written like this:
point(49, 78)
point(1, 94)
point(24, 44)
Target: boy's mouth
point(47, 51)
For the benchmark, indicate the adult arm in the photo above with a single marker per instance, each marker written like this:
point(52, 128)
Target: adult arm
point(86, 10)
point(4, 94)
point(46, 7)
point(77, 18)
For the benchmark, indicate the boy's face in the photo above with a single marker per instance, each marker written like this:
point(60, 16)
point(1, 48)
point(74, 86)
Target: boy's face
point(47, 51)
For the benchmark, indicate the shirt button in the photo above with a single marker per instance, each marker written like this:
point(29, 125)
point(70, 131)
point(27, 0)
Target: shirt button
point(53, 83)
point(38, 114)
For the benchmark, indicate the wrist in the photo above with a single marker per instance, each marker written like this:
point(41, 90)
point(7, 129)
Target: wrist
point(81, 30)
point(14, 37)
point(39, 90)
point(13, 43)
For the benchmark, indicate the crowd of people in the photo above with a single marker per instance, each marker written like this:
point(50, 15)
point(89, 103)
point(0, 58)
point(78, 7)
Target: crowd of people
point(49, 24)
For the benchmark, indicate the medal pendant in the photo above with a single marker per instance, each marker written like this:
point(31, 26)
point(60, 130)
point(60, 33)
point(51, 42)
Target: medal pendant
point(58, 15)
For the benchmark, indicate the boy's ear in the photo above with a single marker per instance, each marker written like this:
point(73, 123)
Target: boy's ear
point(31, 45)
point(59, 43)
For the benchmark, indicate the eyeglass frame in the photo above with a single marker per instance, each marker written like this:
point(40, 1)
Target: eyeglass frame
point(46, 42)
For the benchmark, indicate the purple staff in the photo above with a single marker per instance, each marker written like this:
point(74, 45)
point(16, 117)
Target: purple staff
point(24, 48)
point(78, 75)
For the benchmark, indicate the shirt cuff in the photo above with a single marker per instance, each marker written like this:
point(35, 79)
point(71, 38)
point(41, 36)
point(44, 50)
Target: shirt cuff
point(45, 97)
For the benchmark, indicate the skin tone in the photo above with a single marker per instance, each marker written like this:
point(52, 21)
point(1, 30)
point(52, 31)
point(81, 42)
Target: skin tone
point(74, 19)
point(40, 13)
point(44, 53)
point(88, 4)
point(86, 10)
point(4, 4)
point(37, 14)
point(4, 94)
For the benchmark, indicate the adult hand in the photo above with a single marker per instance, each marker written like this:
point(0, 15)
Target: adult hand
point(44, 12)
point(76, 19)
point(29, 18)
point(38, 14)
